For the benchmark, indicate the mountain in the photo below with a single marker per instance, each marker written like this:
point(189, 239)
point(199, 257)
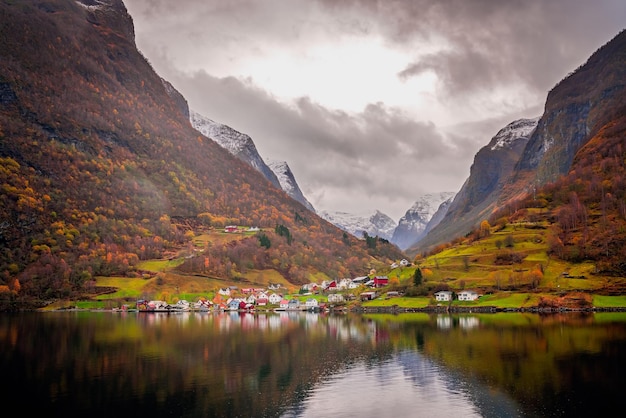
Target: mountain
point(375, 224)
point(492, 166)
point(412, 226)
point(100, 168)
point(238, 144)
point(288, 182)
point(583, 107)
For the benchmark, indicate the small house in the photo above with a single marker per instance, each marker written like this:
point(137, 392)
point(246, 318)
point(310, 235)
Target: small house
point(368, 296)
point(380, 281)
point(311, 303)
point(293, 304)
point(230, 228)
point(443, 296)
point(275, 298)
point(335, 298)
point(467, 295)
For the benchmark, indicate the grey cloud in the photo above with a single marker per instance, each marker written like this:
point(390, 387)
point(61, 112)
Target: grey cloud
point(379, 151)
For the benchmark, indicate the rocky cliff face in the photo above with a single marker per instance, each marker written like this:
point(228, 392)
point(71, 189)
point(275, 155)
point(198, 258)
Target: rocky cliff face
point(576, 109)
point(492, 166)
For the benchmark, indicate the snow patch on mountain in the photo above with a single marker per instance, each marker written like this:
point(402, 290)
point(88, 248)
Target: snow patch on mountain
point(521, 128)
point(237, 143)
point(374, 224)
point(288, 181)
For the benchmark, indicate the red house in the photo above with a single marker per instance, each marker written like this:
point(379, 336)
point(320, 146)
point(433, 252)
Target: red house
point(380, 281)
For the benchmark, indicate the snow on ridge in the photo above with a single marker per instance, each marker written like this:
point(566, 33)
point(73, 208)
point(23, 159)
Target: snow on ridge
point(521, 128)
point(234, 141)
point(282, 170)
point(92, 5)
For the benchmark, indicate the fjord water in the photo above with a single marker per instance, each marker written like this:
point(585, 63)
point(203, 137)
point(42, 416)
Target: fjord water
point(296, 364)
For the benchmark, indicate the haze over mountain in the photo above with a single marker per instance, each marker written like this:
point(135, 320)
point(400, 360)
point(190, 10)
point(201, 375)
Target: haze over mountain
point(413, 225)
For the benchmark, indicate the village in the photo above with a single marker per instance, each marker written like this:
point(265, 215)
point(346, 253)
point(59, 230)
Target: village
point(312, 297)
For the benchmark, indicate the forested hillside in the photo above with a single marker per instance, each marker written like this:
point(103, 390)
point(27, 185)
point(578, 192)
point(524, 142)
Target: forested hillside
point(100, 167)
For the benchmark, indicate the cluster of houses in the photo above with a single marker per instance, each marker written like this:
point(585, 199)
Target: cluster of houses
point(246, 299)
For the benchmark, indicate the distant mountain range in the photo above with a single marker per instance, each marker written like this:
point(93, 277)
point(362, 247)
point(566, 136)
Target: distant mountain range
point(412, 226)
point(420, 218)
point(374, 224)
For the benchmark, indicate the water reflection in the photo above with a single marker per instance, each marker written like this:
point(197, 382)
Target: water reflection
point(293, 364)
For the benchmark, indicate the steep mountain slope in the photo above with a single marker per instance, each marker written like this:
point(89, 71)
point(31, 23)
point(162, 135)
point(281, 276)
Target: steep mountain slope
point(288, 182)
point(412, 226)
point(100, 167)
point(576, 109)
point(238, 144)
point(375, 224)
point(492, 167)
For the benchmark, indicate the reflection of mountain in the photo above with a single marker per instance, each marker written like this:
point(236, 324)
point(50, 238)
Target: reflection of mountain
point(305, 365)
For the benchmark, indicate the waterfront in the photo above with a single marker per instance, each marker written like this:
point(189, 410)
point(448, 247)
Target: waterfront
point(296, 364)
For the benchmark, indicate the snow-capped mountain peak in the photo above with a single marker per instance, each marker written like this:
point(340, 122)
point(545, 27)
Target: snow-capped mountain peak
point(288, 182)
point(518, 129)
point(374, 224)
point(237, 143)
point(412, 226)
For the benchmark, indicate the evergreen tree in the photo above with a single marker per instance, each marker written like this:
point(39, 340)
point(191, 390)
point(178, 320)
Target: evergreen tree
point(417, 277)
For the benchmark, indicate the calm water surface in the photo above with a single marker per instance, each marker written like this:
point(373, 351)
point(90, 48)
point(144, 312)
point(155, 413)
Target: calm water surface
point(96, 364)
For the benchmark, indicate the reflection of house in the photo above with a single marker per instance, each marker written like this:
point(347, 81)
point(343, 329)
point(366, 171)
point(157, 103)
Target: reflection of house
point(443, 296)
point(467, 295)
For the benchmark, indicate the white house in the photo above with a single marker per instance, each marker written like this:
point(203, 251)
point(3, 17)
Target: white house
point(311, 303)
point(404, 262)
point(275, 298)
point(443, 296)
point(335, 298)
point(467, 295)
point(224, 291)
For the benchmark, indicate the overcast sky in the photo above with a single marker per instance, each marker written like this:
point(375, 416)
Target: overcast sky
point(372, 103)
